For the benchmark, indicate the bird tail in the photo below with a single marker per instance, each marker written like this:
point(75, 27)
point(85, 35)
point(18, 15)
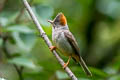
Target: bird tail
point(84, 66)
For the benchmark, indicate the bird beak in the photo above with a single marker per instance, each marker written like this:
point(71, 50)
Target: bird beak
point(50, 21)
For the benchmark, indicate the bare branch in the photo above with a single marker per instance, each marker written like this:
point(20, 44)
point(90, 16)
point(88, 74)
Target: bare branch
point(19, 70)
point(21, 13)
point(48, 42)
point(2, 4)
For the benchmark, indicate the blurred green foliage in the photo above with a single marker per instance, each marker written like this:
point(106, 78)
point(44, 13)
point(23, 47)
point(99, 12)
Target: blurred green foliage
point(94, 23)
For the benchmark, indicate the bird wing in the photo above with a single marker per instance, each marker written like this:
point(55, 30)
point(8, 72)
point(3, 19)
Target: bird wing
point(72, 42)
point(74, 45)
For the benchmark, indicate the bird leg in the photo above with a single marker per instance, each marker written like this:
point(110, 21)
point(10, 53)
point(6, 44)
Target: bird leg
point(65, 64)
point(52, 48)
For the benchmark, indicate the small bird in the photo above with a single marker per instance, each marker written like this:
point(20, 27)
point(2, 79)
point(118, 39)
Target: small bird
point(65, 42)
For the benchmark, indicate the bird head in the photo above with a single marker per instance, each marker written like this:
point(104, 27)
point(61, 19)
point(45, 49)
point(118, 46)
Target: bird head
point(60, 20)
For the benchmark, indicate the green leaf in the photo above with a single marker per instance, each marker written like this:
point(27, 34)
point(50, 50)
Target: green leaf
point(115, 77)
point(43, 13)
point(109, 7)
point(19, 28)
point(98, 72)
point(24, 41)
point(3, 21)
point(1, 41)
point(7, 17)
point(21, 61)
point(19, 42)
point(2, 79)
point(28, 39)
point(83, 79)
point(110, 70)
point(61, 75)
point(23, 36)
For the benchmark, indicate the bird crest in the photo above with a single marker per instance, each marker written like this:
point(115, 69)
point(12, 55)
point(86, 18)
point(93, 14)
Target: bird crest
point(61, 18)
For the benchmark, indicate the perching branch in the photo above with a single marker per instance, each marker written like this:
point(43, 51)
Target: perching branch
point(48, 42)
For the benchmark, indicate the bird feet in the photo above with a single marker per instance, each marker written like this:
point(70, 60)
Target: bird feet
point(52, 48)
point(65, 64)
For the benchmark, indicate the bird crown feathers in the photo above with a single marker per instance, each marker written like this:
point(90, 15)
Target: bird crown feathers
point(61, 18)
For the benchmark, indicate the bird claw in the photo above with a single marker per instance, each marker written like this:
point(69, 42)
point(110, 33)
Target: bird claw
point(65, 65)
point(52, 48)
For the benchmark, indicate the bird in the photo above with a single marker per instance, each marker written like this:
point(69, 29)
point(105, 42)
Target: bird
point(65, 42)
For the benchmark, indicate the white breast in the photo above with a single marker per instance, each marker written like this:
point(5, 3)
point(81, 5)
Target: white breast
point(61, 43)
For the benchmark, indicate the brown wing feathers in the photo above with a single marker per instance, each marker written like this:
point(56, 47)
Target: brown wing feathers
point(72, 42)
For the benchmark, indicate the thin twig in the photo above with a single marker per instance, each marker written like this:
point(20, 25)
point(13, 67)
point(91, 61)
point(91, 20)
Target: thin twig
point(46, 39)
point(21, 13)
point(19, 70)
point(2, 4)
